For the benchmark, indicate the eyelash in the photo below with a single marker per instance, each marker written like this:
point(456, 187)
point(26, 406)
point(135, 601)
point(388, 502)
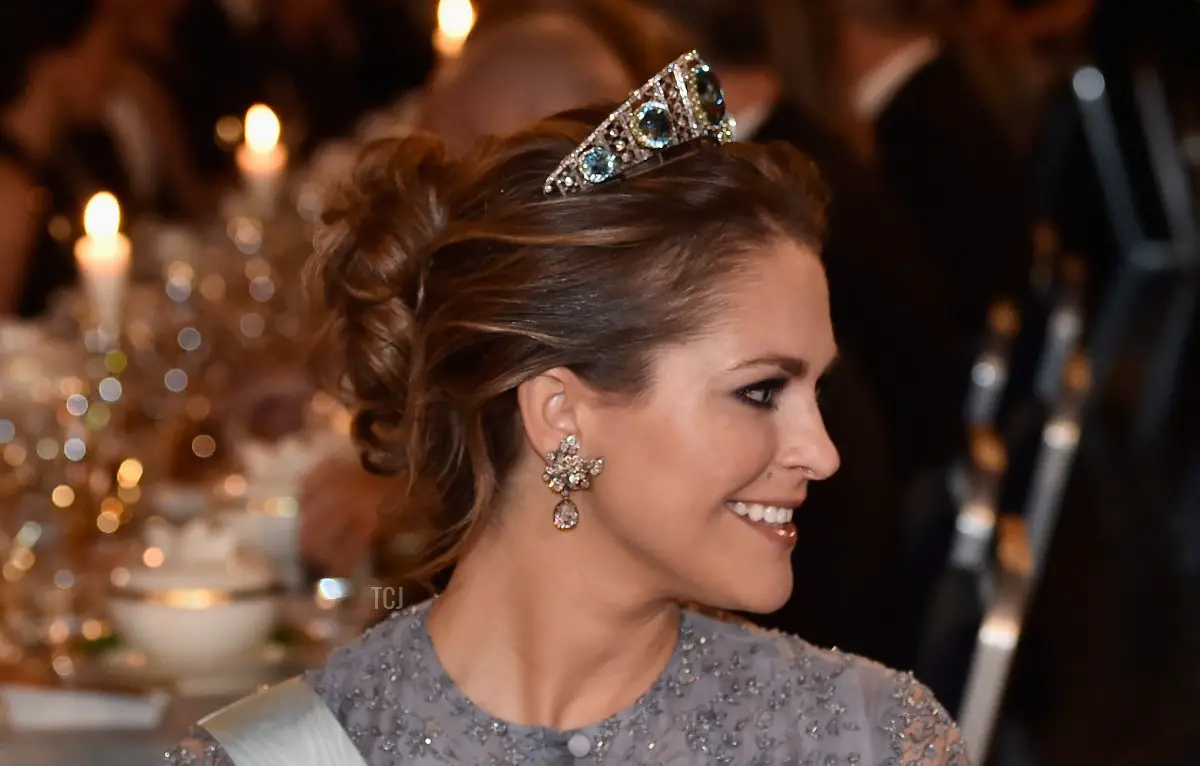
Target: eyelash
point(771, 388)
point(768, 387)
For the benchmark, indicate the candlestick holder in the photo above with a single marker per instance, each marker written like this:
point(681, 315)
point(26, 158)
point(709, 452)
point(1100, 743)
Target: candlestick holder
point(262, 181)
point(262, 161)
point(106, 295)
point(103, 255)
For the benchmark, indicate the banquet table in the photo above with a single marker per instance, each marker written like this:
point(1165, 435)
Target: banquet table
point(107, 747)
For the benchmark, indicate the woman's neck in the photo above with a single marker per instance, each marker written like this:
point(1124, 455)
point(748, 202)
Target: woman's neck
point(33, 123)
point(539, 627)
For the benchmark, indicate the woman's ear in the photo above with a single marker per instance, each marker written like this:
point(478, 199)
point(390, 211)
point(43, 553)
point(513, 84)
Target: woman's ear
point(551, 406)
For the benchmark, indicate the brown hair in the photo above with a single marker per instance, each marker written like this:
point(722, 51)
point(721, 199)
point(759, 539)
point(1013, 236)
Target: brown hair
point(451, 282)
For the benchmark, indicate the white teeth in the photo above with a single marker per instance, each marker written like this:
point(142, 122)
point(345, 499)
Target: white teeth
point(769, 514)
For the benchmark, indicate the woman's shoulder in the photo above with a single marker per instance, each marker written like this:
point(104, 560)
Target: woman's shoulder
point(840, 701)
point(351, 674)
point(391, 650)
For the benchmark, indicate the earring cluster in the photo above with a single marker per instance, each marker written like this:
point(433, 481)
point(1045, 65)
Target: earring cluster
point(567, 472)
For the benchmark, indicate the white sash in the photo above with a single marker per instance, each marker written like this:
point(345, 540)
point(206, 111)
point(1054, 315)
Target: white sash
point(285, 725)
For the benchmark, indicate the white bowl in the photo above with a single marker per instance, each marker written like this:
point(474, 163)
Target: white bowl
point(178, 503)
point(193, 622)
point(270, 527)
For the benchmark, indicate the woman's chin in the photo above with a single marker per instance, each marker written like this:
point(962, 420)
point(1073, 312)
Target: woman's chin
point(761, 597)
point(766, 603)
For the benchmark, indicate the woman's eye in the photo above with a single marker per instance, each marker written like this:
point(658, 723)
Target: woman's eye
point(762, 394)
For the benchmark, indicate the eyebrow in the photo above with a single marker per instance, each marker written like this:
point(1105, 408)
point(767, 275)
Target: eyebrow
point(792, 365)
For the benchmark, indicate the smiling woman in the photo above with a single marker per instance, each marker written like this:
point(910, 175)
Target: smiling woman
point(644, 336)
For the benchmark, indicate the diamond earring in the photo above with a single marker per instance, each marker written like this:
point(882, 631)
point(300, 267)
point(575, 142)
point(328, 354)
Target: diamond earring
point(567, 472)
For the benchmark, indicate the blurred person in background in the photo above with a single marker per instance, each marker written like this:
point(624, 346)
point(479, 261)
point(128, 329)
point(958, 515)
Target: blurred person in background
point(889, 76)
point(58, 62)
point(1020, 51)
point(145, 120)
point(637, 40)
point(209, 71)
point(642, 37)
point(1034, 23)
point(633, 34)
point(518, 71)
point(324, 63)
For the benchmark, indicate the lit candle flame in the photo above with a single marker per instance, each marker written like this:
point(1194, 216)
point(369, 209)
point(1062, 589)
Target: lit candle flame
point(455, 18)
point(103, 255)
point(262, 129)
point(102, 216)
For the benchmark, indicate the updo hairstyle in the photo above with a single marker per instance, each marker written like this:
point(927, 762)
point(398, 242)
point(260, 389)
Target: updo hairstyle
point(449, 283)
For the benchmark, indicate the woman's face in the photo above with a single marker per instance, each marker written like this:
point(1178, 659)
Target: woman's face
point(701, 474)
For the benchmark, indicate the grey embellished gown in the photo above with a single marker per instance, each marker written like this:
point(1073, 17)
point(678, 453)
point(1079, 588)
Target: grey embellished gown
point(730, 695)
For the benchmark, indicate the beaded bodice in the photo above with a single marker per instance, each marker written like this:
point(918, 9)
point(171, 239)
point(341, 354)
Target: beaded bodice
point(730, 695)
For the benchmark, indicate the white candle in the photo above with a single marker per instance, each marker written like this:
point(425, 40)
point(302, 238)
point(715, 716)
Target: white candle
point(103, 255)
point(261, 159)
point(455, 18)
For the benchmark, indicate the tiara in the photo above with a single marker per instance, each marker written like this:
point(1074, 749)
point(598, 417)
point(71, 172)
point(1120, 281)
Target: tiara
point(681, 104)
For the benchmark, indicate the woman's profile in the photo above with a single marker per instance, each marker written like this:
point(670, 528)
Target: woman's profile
point(601, 340)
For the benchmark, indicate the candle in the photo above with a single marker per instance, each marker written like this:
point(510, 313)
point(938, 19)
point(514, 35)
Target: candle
point(260, 158)
point(455, 18)
point(103, 255)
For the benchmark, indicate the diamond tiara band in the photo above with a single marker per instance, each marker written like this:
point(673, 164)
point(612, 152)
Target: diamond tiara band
point(681, 104)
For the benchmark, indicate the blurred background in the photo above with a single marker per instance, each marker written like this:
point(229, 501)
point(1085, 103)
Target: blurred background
point(1013, 258)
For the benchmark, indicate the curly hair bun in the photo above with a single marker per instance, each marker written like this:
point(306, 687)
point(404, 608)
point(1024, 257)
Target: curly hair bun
point(372, 257)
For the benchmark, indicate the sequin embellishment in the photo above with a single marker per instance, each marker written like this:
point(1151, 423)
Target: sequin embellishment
point(730, 695)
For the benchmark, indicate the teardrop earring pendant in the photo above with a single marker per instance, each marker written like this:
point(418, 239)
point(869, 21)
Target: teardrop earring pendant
point(567, 472)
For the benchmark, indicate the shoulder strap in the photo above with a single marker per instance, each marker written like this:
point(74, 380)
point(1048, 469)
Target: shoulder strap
point(285, 725)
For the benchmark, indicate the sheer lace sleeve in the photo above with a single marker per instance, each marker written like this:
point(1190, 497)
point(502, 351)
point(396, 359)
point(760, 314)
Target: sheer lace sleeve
point(918, 730)
point(199, 749)
point(921, 731)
